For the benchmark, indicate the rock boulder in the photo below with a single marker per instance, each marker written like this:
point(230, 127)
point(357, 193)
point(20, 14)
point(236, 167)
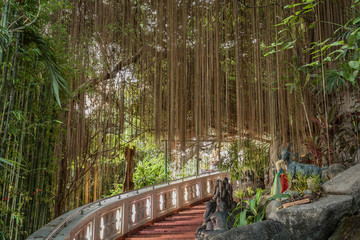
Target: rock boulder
point(271, 208)
point(264, 230)
point(335, 169)
point(346, 183)
point(316, 220)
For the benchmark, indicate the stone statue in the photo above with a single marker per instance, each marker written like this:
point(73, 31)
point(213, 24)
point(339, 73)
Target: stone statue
point(217, 210)
point(294, 168)
point(217, 190)
point(227, 193)
point(210, 210)
point(207, 224)
point(219, 218)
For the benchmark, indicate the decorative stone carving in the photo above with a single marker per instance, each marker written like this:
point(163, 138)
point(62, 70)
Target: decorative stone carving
point(219, 218)
point(217, 190)
point(210, 210)
point(217, 210)
point(227, 193)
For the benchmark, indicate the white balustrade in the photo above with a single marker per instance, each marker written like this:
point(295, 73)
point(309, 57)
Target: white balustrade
point(85, 232)
point(113, 217)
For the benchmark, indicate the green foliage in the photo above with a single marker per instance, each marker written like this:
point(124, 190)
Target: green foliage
point(149, 170)
point(31, 88)
point(341, 50)
point(314, 183)
point(150, 164)
point(118, 187)
point(299, 183)
point(47, 55)
point(288, 36)
point(8, 162)
point(252, 156)
point(302, 183)
point(250, 191)
point(253, 212)
point(240, 194)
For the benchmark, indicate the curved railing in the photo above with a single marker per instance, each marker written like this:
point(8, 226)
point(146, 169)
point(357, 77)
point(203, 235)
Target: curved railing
point(113, 217)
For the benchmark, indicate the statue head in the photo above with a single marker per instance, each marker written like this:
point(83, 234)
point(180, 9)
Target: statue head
point(285, 154)
point(210, 209)
point(218, 183)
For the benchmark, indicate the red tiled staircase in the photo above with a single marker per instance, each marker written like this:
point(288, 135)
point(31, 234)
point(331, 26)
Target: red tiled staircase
point(179, 226)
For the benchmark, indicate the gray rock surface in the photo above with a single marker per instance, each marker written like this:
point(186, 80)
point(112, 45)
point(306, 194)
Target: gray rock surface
point(346, 183)
point(316, 220)
point(335, 169)
point(349, 228)
point(264, 230)
point(272, 208)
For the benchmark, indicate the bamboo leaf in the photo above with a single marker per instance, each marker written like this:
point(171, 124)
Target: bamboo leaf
point(337, 43)
point(10, 162)
point(354, 64)
point(292, 5)
point(55, 86)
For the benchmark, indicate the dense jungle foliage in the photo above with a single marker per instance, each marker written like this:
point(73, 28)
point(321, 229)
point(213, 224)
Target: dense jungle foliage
point(81, 80)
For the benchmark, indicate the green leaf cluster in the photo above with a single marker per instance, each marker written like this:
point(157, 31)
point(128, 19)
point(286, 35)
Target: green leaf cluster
point(253, 211)
point(251, 155)
point(340, 51)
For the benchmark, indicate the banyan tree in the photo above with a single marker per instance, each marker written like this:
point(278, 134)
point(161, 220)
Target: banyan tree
point(180, 70)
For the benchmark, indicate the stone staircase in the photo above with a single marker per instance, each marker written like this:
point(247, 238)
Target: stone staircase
point(178, 226)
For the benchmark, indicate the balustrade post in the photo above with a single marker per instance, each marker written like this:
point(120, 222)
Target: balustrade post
point(201, 183)
point(177, 197)
point(125, 217)
point(96, 228)
point(181, 195)
point(152, 206)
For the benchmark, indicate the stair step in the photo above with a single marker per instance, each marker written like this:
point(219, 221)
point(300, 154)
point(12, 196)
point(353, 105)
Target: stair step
point(190, 214)
point(178, 217)
point(175, 229)
point(163, 236)
point(179, 226)
point(174, 223)
point(198, 212)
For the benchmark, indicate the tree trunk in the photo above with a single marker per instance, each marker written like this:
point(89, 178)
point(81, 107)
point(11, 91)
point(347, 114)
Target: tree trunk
point(129, 169)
